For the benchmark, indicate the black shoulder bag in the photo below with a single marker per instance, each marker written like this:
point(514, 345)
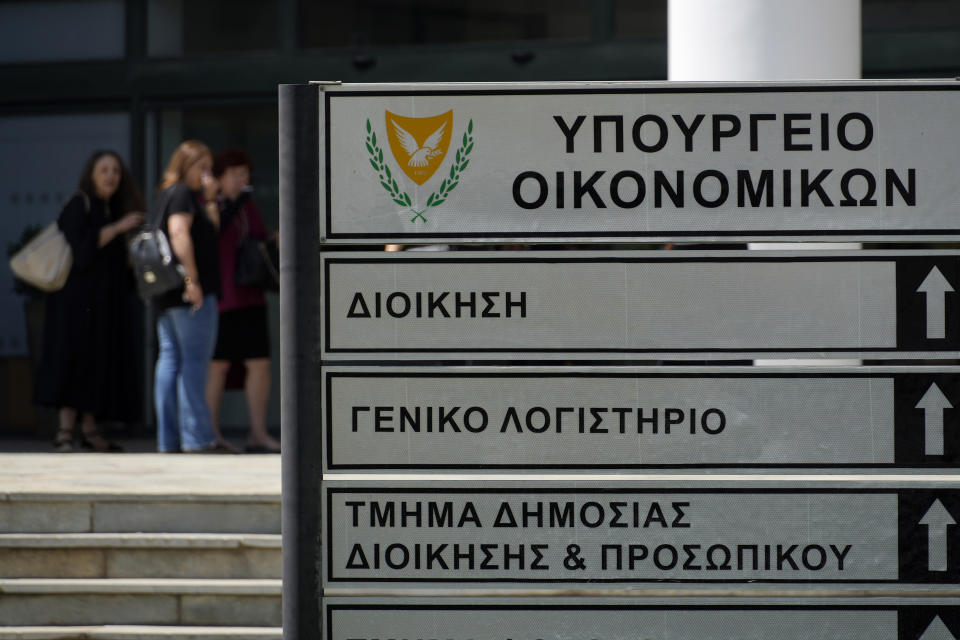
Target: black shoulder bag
point(258, 261)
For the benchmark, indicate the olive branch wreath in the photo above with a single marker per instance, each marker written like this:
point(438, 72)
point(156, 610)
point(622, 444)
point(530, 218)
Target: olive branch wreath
point(401, 197)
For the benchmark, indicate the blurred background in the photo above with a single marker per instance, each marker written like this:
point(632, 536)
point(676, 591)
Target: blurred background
point(139, 76)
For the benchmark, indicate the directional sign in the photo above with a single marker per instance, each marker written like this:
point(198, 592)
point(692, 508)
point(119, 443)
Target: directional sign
point(565, 162)
point(619, 306)
point(615, 619)
point(501, 423)
point(604, 533)
point(456, 418)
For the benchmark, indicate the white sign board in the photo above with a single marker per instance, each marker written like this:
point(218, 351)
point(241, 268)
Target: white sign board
point(602, 533)
point(639, 161)
point(617, 305)
point(361, 618)
point(420, 419)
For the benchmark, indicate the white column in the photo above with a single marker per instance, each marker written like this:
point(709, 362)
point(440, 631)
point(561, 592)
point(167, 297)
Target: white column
point(765, 40)
point(724, 40)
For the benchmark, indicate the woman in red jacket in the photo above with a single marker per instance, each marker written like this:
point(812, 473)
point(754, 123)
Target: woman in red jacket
point(243, 334)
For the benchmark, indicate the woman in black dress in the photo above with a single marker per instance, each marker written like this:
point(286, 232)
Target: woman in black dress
point(88, 365)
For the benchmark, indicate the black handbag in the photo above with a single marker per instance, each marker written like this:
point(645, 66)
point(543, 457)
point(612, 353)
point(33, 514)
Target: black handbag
point(154, 264)
point(258, 261)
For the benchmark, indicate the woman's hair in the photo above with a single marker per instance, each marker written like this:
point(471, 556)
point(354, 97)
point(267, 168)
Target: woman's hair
point(187, 154)
point(232, 157)
point(128, 196)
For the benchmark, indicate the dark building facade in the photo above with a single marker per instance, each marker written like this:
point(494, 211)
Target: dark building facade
point(139, 76)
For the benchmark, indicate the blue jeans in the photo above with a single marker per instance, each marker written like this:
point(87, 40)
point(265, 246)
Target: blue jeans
point(187, 339)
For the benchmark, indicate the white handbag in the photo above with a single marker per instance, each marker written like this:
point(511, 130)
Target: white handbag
point(45, 261)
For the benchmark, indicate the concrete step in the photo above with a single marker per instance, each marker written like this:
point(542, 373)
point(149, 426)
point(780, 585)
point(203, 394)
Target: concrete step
point(135, 632)
point(140, 555)
point(109, 493)
point(128, 513)
point(45, 602)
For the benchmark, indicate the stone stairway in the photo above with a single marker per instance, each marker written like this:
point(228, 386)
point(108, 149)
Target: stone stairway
point(139, 547)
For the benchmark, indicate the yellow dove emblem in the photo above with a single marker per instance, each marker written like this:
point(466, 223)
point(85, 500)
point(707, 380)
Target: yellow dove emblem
point(419, 144)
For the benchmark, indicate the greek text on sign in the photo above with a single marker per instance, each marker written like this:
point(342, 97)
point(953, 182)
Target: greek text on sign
point(611, 619)
point(421, 419)
point(618, 305)
point(634, 160)
point(608, 534)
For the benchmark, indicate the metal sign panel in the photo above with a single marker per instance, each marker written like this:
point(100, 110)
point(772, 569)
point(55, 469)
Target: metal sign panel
point(459, 418)
point(610, 532)
point(640, 305)
point(650, 161)
point(615, 619)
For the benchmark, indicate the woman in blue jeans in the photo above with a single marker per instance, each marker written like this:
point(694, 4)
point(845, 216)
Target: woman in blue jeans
point(187, 317)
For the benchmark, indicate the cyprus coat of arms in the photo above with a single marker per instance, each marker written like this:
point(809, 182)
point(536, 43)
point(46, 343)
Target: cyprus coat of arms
point(419, 147)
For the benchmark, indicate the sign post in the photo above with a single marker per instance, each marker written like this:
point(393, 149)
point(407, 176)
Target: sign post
point(553, 428)
point(299, 361)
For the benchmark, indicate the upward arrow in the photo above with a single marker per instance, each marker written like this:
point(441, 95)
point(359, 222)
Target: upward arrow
point(936, 287)
point(937, 631)
point(933, 404)
point(937, 520)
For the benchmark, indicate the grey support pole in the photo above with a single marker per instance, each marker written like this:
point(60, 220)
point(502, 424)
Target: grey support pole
point(299, 356)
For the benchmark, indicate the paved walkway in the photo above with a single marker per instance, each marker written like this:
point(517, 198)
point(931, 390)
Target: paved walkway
point(139, 473)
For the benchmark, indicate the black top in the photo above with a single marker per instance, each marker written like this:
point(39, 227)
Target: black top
point(206, 249)
point(90, 355)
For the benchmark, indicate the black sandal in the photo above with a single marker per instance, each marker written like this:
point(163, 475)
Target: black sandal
point(63, 442)
point(95, 442)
